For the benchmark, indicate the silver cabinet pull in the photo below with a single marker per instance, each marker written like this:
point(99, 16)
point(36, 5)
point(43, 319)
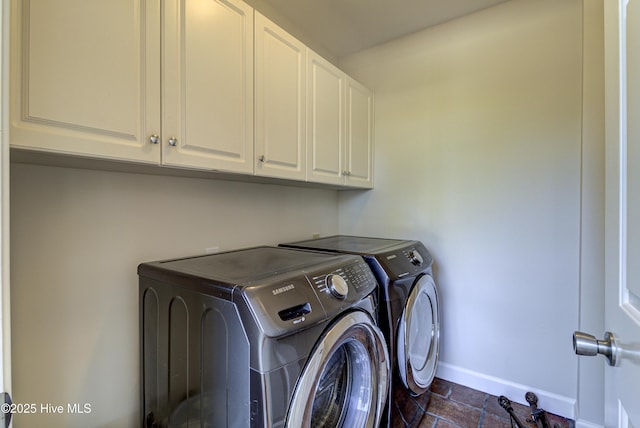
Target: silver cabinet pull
point(173, 141)
point(586, 344)
point(154, 139)
point(261, 158)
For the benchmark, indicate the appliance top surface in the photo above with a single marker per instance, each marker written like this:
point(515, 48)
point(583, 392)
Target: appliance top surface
point(248, 265)
point(398, 258)
point(278, 290)
point(351, 244)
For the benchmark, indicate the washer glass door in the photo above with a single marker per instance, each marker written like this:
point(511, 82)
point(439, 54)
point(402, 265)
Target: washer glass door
point(419, 336)
point(346, 380)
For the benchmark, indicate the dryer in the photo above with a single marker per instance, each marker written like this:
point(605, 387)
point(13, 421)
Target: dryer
point(261, 337)
point(408, 316)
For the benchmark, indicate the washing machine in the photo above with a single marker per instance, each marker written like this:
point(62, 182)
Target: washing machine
point(261, 337)
point(408, 316)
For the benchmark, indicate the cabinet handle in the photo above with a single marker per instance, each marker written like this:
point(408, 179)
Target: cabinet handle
point(346, 173)
point(261, 158)
point(173, 141)
point(154, 139)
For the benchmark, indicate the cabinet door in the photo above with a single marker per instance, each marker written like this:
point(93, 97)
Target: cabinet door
point(207, 87)
point(280, 102)
point(85, 77)
point(359, 156)
point(325, 121)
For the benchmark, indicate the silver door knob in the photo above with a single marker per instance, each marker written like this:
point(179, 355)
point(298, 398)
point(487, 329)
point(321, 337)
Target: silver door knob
point(154, 139)
point(586, 344)
point(173, 141)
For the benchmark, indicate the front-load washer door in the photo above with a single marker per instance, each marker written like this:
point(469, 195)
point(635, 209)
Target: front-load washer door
point(419, 336)
point(345, 382)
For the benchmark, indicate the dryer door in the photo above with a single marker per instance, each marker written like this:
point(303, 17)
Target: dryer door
point(346, 379)
point(419, 336)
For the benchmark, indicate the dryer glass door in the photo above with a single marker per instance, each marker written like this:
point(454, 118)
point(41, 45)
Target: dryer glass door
point(419, 336)
point(346, 380)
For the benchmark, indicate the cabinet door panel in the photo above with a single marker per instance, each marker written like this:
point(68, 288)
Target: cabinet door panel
point(77, 86)
point(359, 135)
point(325, 121)
point(208, 85)
point(280, 95)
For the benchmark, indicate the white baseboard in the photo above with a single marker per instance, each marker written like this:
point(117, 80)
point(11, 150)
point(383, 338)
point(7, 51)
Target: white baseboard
point(584, 424)
point(553, 403)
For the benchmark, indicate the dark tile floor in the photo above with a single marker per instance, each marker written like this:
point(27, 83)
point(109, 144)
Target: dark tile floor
point(449, 405)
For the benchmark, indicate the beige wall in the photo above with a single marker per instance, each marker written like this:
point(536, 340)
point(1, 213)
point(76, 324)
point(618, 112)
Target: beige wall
point(479, 153)
point(77, 237)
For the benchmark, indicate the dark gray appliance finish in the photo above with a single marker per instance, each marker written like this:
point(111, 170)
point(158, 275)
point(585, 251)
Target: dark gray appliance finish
point(228, 340)
point(408, 315)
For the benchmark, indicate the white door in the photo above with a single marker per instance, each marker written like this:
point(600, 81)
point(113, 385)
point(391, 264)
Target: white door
point(5, 348)
point(5, 325)
point(622, 73)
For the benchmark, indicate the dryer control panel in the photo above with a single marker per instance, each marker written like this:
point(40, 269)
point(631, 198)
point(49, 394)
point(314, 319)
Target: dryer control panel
point(407, 261)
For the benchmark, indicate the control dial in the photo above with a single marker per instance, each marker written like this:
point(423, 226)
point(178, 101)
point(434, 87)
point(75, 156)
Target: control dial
point(337, 286)
point(415, 258)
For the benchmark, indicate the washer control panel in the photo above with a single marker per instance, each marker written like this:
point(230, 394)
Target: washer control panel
point(338, 282)
point(337, 286)
point(344, 286)
point(305, 297)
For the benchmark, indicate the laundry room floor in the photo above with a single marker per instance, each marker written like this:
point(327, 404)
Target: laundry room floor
point(449, 405)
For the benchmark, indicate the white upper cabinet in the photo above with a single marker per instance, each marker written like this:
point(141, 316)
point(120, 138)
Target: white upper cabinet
point(207, 88)
point(339, 127)
point(279, 102)
point(359, 144)
point(325, 121)
point(78, 86)
point(197, 84)
point(86, 80)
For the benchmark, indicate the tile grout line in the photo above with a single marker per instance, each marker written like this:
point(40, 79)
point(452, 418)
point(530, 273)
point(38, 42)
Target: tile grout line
point(483, 413)
point(435, 422)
